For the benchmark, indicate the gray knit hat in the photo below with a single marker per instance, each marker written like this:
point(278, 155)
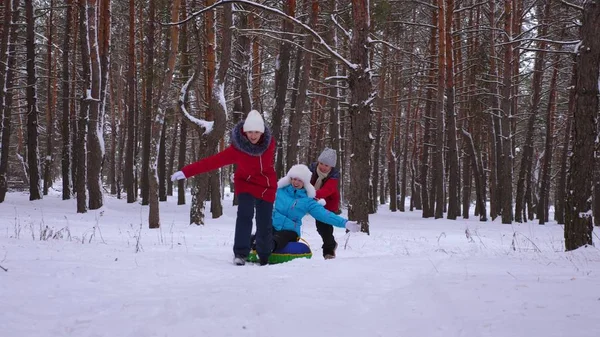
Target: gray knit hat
point(328, 157)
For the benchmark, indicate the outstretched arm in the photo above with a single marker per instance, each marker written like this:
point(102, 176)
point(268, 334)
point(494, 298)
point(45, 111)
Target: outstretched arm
point(225, 157)
point(329, 188)
point(319, 212)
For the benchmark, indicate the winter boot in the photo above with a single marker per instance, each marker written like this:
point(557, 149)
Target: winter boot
point(263, 262)
point(239, 260)
point(332, 255)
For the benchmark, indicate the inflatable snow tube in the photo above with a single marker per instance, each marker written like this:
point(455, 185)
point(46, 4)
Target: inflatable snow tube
point(293, 250)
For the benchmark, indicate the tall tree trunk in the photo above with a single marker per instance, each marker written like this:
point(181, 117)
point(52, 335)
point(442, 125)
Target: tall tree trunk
point(158, 122)
point(494, 122)
point(405, 140)
point(96, 121)
point(452, 155)
point(424, 174)
point(282, 73)
point(391, 155)
point(73, 112)
point(148, 102)
point(7, 64)
point(218, 110)
point(298, 110)
point(128, 174)
point(561, 188)
point(171, 161)
point(578, 220)
point(50, 102)
point(333, 103)
point(256, 64)
point(438, 156)
point(82, 128)
point(478, 175)
point(33, 160)
point(536, 84)
point(377, 146)
point(104, 41)
point(543, 204)
point(162, 160)
point(359, 83)
point(506, 161)
point(183, 101)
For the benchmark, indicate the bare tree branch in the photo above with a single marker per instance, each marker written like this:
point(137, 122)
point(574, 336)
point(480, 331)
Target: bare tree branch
point(571, 5)
point(319, 39)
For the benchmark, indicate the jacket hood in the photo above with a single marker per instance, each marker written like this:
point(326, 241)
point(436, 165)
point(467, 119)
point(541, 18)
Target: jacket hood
point(300, 172)
point(242, 143)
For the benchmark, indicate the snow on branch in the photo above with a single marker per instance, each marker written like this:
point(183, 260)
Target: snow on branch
point(206, 125)
point(572, 5)
point(347, 33)
point(306, 27)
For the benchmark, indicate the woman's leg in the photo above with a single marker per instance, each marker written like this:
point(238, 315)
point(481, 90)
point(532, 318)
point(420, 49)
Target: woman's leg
point(243, 225)
point(264, 229)
point(329, 244)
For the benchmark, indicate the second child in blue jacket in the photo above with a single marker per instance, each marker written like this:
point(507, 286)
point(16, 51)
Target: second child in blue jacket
point(294, 199)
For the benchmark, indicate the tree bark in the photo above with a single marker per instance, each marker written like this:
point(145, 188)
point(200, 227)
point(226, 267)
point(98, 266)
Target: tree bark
point(96, 119)
point(578, 219)
point(543, 204)
point(424, 170)
point(50, 102)
point(561, 188)
point(7, 64)
point(158, 122)
point(438, 182)
point(128, 174)
point(506, 162)
point(298, 110)
point(359, 83)
point(282, 73)
point(218, 116)
point(33, 160)
point(82, 128)
point(452, 155)
point(536, 84)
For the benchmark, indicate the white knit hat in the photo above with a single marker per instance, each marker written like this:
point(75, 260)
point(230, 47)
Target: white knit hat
point(300, 172)
point(328, 157)
point(254, 122)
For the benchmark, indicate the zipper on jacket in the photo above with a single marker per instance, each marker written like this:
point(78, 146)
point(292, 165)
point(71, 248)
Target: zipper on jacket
point(267, 178)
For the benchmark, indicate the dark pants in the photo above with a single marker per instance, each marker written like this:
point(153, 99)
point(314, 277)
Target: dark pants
point(326, 232)
point(281, 238)
point(243, 226)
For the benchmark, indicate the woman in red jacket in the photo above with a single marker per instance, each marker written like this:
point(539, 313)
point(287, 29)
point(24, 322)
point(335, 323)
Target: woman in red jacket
point(252, 148)
point(325, 178)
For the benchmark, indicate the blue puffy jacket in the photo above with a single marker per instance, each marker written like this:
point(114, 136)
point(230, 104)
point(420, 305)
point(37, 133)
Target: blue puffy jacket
point(292, 204)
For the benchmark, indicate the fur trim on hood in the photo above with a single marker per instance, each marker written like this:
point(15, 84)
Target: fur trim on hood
point(301, 172)
point(242, 143)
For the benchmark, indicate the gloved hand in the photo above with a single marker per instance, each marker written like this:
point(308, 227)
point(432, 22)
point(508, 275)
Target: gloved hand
point(353, 226)
point(177, 176)
point(322, 202)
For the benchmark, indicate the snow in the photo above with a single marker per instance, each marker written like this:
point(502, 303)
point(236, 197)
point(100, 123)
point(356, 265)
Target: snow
point(410, 277)
point(206, 125)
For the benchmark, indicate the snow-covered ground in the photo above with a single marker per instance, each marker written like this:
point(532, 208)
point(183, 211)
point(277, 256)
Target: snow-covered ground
point(104, 273)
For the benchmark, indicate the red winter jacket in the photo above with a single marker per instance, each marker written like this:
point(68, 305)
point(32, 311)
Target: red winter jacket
point(254, 174)
point(329, 189)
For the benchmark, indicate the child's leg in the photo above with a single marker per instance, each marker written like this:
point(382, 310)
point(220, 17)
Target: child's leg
point(326, 232)
point(264, 228)
point(281, 238)
point(243, 225)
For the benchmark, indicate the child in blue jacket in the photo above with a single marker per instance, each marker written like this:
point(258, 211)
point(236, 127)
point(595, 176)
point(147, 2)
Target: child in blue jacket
point(294, 199)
